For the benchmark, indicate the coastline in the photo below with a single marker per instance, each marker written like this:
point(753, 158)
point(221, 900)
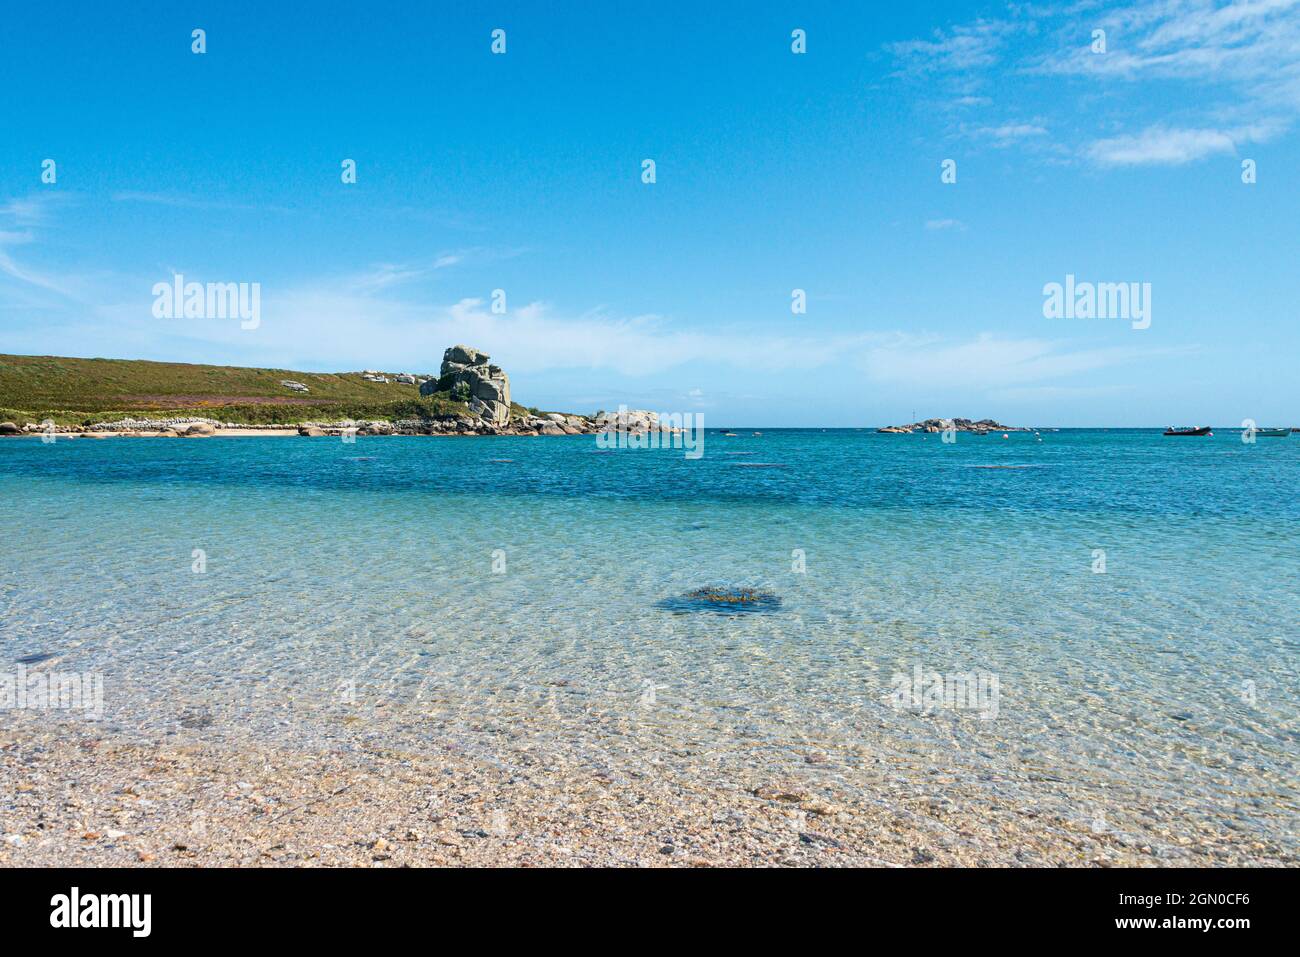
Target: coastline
point(89, 800)
point(636, 422)
point(238, 432)
point(295, 432)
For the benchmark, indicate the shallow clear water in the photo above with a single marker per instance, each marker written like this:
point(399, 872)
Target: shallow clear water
point(350, 593)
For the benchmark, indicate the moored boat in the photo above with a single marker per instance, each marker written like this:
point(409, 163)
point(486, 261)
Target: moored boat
point(1273, 433)
point(1197, 430)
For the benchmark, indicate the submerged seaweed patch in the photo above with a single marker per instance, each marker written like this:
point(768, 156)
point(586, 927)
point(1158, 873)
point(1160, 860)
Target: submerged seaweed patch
point(36, 658)
point(721, 599)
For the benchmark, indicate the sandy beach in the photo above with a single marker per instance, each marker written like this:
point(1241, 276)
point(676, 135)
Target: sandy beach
point(80, 799)
point(219, 433)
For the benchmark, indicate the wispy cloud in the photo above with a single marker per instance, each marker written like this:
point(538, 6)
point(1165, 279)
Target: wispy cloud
point(317, 327)
point(182, 201)
point(1159, 145)
point(63, 286)
point(33, 210)
point(1239, 60)
point(1008, 133)
point(369, 319)
point(960, 48)
point(31, 214)
point(385, 275)
point(990, 362)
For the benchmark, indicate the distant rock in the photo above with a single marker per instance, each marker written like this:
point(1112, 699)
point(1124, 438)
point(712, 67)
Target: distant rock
point(631, 420)
point(310, 431)
point(488, 386)
point(959, 425)
point(295, 386)
point(200, 430)
point(9, 428)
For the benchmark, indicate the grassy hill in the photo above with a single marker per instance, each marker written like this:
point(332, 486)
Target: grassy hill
point(33, 388)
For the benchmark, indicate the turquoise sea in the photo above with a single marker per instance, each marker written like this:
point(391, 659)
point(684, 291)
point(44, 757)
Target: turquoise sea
point(512, 598)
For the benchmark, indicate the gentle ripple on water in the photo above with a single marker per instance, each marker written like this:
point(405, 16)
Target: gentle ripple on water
point(356, 580)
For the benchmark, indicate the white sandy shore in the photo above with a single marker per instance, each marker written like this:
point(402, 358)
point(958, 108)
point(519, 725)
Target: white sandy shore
point(59, 436)
point(75, 797)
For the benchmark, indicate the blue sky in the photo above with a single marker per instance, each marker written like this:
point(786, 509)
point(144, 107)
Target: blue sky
point(775, 171)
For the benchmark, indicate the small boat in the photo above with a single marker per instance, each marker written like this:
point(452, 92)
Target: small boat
point(1199, 430)
point(1273, 433)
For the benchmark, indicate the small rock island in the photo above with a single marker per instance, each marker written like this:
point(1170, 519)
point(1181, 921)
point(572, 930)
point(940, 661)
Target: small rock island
point(980, 426)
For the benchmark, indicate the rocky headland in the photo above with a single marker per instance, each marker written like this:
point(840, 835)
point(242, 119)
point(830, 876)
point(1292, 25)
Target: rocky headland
point(466, 377)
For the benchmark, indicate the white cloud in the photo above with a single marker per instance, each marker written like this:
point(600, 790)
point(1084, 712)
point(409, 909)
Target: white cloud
point(382, 275)
point(33, 210)
point(1054, 393)
point(988, 362)
point(330, 327)
point(1161, 146)
point(1009, 133)
point(1238, 63)
point(358, 322)
point(961, 48)
point(181, 201)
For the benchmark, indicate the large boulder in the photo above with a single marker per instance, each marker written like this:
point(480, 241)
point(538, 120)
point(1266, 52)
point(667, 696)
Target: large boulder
point(488, 385)
point(465, 356)
point(9, 428)
point(630, 420)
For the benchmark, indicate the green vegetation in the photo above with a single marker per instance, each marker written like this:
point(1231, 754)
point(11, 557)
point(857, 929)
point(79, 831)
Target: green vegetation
point(78, 391)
